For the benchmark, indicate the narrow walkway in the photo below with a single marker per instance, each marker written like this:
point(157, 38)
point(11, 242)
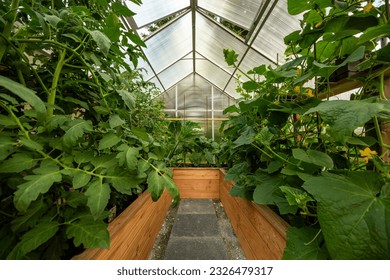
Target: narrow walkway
point(197, 230)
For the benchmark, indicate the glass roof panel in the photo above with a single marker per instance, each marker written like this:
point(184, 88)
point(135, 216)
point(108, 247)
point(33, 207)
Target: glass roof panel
point(175, 73)
point(212, 73)
point(170, 44)
point(239, 12)
point(152, 10)
point(270, 39)
point(211, 39)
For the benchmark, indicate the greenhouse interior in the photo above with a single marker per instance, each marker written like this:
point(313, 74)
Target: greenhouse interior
point(195, 130)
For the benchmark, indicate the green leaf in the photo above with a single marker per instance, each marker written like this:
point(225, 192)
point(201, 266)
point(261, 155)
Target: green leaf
point(264, 136)
point(35, 185)
point(101, 40)
point(34, 238)
point(108, 141)
point(125, 184)
point(35, 211)
point(80, 179)
point(98, 194)
point(122, 10)
point(230, 56)
point(76, 131)
point(112, 27)
point(76, 199)
point(7, 121)
point(6, 144)
point(296, 7)
point(375, 32)
point(89, 233)
point(128, 156)
point(128, 98)
point(235, 173)
point(345, 116)
point(140, 133)
point(136, 39)
point(304, 244)
point(353, 211)
point(31, 144)
point(246, 138)
point(26, 94)
point(172, 188)
point(265, 188)
point(325, 70)
point(17, 163)
point(155, 185)
point(116, 121)
point(314, 157)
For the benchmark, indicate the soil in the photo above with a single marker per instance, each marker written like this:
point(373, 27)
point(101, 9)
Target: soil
point(232, 246)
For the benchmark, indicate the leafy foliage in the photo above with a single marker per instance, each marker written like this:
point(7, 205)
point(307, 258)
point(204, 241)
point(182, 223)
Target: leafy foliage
point(318, 163)
point(80, 130)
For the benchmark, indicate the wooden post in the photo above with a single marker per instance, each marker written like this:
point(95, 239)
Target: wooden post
point(385, 127)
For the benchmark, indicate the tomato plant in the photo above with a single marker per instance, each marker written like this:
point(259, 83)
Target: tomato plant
point(80, 132)
point(319, 162)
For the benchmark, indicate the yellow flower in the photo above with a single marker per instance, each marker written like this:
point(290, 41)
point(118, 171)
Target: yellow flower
point(368, 7)
point(309, 92)
point(367, 154)
point(297, 89)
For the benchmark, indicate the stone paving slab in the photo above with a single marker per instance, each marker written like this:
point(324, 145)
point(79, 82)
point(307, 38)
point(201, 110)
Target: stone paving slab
point(195, 225)
point(195, 248)
point(196, 206)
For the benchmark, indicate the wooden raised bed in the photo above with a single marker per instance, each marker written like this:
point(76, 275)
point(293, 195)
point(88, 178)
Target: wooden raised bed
point(261, 232)
point(134, 231)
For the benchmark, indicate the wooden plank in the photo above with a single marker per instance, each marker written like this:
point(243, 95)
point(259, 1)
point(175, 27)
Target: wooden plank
point(254, 225)
point(195, 173)
point(198, 188)
point(134, 231)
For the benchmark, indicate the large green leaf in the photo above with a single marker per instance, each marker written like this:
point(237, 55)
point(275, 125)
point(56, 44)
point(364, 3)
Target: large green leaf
point(27, 192)
point(345, 116)
point(128, 98)
point(89, 233)
point(304, 244)
point(76, 131)
point(246, 138)
point(98, 194)
point(171, 187)
point(26, 94)
point(354, 213)
point(314, 157)
point(265, 188)
point(34, 238)
point(18, 163)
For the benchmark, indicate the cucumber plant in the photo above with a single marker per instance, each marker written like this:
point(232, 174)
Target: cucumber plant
point(319, 163)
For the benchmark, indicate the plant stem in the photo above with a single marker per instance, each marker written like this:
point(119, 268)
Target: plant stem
point(8, 28)
point(379, 134)
point(53, 91)
point(382, 86)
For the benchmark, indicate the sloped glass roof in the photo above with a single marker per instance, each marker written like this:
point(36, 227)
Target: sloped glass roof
point(193, 39)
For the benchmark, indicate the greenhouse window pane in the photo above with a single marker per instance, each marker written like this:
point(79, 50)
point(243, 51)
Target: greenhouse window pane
point(253, 59)
point(152, 10)
point(212, 39)
point(212, 73)
point(175, 73)
point(237, 11)
point(270, 40)
point(170, 44)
